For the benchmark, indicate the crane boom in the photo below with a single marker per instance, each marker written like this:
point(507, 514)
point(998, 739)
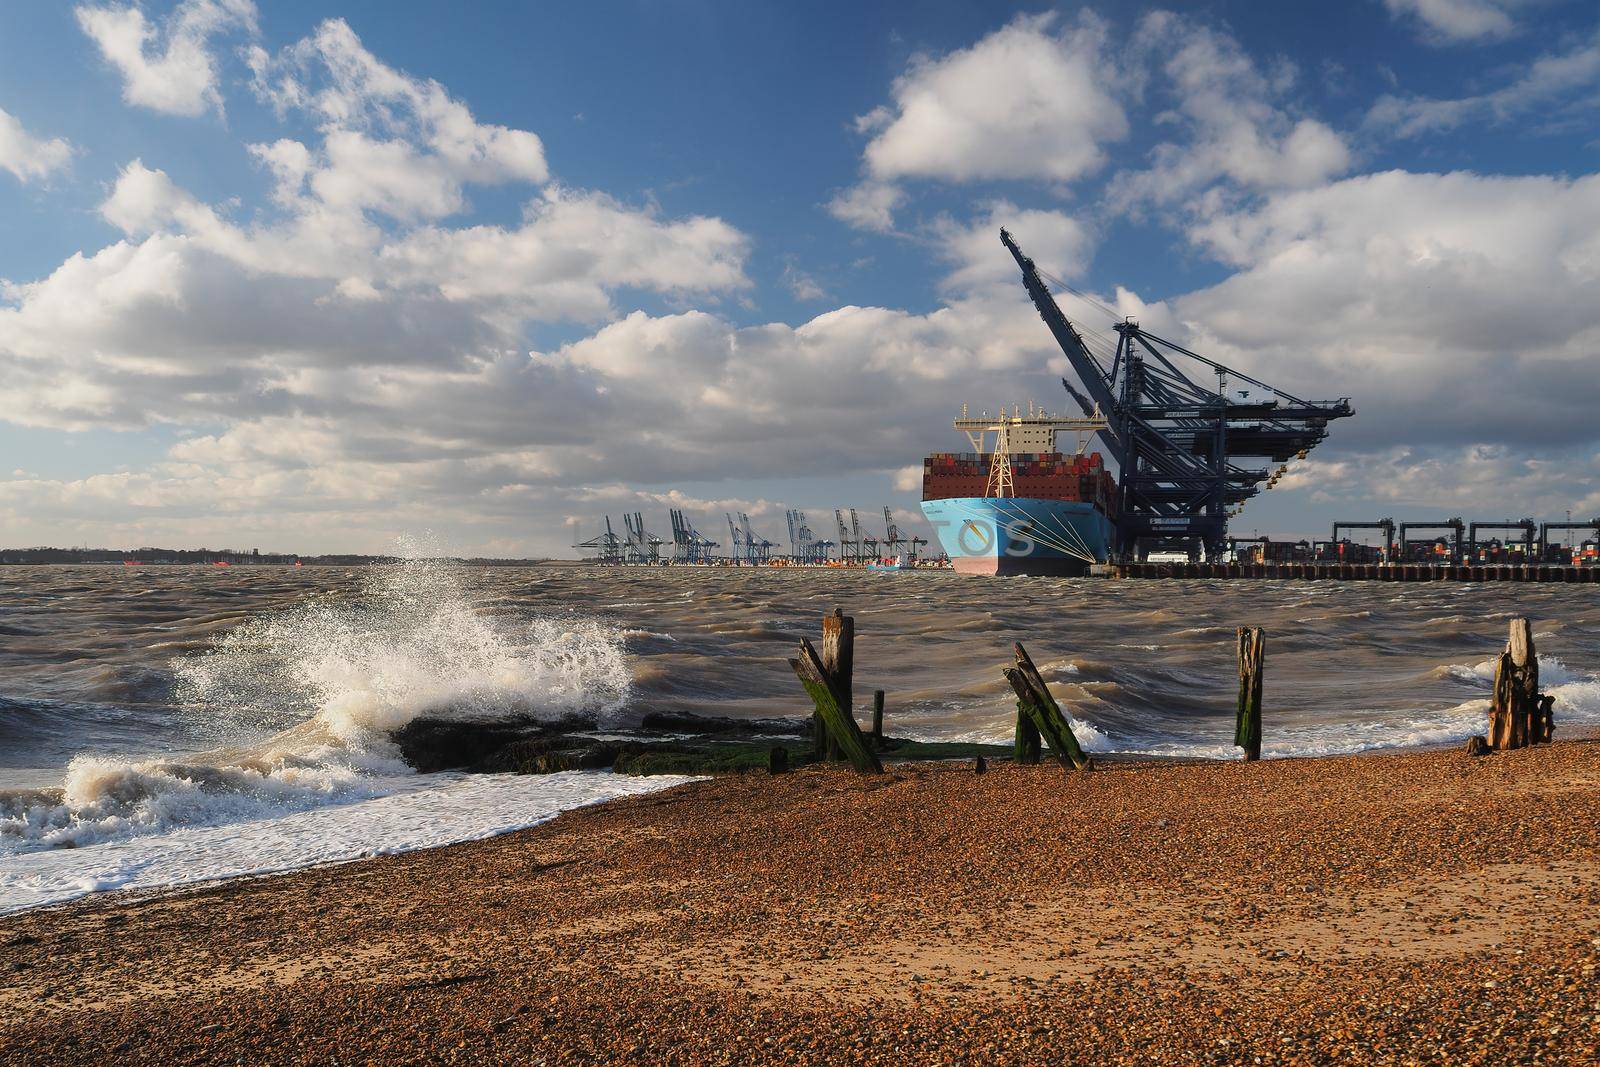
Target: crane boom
point(1090, 373)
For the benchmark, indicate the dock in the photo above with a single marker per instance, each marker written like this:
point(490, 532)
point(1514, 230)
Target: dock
point(1359, 572)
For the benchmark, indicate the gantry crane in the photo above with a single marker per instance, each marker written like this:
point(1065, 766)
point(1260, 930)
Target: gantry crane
point(1529, 528)
point(1386, 525)
point(1174, 440)
point(688, 545)
point(608, 547)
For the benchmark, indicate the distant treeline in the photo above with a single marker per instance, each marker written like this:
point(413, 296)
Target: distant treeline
point(253, 556)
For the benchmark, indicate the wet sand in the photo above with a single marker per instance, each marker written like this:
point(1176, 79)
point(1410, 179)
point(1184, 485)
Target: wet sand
point(1415, 907)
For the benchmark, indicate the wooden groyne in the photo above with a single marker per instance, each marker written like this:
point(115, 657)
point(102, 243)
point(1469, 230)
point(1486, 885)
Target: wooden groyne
point(1358, 572)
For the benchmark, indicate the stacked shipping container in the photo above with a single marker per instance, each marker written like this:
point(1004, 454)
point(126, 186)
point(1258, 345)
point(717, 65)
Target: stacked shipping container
point(1034, 475)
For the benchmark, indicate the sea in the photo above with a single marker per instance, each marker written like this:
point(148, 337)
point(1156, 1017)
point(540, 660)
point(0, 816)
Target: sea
point(167, 726)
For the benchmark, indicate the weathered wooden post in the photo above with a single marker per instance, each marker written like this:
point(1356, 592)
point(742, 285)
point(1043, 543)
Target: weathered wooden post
point(1519, 714)
point(835, 713)
point(1027, 742)
point(877, 720)
point(1252, 666)
point(1035, 703)
point(828, 678)
point(839, 660)
point(777, 760)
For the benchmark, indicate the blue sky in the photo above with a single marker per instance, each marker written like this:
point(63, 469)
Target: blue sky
point(314, 276)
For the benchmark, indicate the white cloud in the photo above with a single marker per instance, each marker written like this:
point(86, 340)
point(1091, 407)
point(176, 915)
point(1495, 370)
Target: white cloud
point(908, 479)
point(980, 264)
point(1457, 21)
point(392, 145)
point(501, 440)
point(351, 356)
point(801, 285)
point(331, 75)
point(1235, 132)
point(1505, 481)
point(1456, 309)
point(1027, 101)
point(352, 286)
point(27, 157)
point(170, 68)
point(1550, 84)
point(572, 247)
point(869, 205)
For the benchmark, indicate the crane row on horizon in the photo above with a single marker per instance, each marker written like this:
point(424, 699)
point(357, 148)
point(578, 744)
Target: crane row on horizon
point(637, 546)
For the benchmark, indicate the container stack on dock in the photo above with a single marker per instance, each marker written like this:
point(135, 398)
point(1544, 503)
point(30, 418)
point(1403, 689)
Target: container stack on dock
point(1346, 572)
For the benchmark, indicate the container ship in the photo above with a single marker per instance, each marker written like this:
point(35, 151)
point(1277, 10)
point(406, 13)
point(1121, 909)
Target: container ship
point(1015, 504)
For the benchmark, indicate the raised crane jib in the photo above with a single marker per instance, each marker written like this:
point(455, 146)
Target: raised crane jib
point(1088, 369)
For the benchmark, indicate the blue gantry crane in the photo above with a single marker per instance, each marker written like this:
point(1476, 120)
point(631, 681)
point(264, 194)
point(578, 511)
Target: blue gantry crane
point(1176, 441)
point(688, 544)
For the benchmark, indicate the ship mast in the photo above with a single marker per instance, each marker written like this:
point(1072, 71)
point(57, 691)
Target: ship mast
point(1014, 433)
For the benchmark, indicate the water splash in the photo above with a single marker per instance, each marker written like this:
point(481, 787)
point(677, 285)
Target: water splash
point(350, 670)
point(413, 644)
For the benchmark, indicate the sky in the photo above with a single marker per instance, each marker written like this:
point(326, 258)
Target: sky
point(317, 276)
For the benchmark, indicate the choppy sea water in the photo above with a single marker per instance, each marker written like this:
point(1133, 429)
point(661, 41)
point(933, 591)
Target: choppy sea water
point(166, 725)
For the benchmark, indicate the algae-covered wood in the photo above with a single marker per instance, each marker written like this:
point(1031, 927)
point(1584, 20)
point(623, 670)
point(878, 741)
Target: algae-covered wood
point(1035, 703)
point(1252, 668)
point(841, 725)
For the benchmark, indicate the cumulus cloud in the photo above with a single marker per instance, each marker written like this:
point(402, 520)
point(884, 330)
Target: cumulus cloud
point(352, 357)
point(354, 289)
point(374, 109)
point(1513, 481)
point(27, 157)
point(801, 285)
point(981, 265)
point(1458, 21)
point(869, 205)
point(1553, 85)
point(1233, 129)
point(168, 67)
point(1457, 309)
point(1027, 101)
point(516, 438)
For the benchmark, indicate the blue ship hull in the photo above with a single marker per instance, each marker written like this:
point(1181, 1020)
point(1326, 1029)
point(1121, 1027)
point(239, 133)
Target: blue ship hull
point(1020, 535)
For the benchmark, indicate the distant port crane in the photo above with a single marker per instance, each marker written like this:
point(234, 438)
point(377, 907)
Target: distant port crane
point(1174, 440)
point(1528, 527)
point(608, 547)
point(688, 545)
point(1457, 529)
point(756, 549)
point(893, 541)
point(641, 545)
point(1385, 525)
point(847, 548)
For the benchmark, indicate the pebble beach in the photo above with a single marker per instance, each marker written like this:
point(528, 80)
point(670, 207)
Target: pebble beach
point(1393, 908)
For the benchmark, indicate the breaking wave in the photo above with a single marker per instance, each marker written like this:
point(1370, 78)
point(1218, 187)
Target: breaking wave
point(346, 672)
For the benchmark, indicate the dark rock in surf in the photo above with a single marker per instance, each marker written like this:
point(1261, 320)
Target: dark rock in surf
point(663, 743)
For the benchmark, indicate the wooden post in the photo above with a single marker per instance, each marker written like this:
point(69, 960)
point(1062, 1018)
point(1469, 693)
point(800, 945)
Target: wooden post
point(838, 659)
point(835, 714)
point(1027, 743)
point(1252, 666)
point(1519, 714)
point(877, 720)
point(777, 760)
point(1035, 702)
